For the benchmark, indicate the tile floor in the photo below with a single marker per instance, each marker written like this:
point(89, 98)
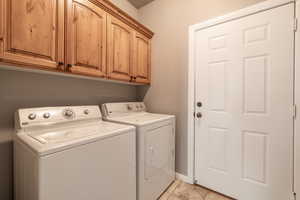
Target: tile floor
point(183, 191)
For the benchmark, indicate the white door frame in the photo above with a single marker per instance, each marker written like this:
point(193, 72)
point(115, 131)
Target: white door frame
point(260, 7)
point(297, 103)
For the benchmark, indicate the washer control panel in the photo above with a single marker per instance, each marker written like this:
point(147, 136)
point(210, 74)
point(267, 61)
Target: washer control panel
point(68, 113)
point(38, 116)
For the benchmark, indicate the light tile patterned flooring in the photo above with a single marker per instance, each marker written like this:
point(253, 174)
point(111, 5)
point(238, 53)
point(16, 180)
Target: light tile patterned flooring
point(183, 191)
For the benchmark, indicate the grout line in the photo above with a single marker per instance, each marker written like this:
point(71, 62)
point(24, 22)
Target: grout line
point(168, 192)
point(171, 191)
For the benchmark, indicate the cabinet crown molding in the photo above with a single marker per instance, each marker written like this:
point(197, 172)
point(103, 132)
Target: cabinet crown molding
point(112, 9)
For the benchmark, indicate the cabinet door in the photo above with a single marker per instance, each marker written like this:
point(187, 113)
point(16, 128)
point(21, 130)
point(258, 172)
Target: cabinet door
point(32, 32)
point(142, 59)
point(1, 29)
point(86, 36)
point(120, 50)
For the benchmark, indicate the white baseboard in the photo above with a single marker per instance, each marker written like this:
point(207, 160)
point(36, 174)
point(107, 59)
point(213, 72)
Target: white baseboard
point(184, 178)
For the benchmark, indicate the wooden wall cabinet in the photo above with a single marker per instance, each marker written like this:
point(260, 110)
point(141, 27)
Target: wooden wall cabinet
point(120, 50)
point(86, 37)
point(142, 59)
point(33, 32)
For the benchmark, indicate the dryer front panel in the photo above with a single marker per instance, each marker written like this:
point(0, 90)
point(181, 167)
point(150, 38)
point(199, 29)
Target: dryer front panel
point(159, 159)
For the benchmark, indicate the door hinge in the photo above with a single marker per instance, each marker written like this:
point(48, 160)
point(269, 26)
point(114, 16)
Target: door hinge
point(294, 111)
point(195, 181)
point(293, 196)
point(295, 24)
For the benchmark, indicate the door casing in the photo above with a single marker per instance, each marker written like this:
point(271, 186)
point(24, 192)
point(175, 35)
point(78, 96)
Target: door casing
point(260, 7)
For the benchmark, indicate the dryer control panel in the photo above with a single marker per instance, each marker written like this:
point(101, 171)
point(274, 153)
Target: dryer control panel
point(116, 109)
point(49, 115)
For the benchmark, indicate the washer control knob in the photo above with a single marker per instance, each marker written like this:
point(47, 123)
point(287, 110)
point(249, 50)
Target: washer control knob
point(46, 115)
point(32, 116)
point(86, 111)
point(68, 113)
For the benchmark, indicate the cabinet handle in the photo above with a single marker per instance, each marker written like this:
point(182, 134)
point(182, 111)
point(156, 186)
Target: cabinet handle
point(60, 65)
point(69, 66)
point(132, 78)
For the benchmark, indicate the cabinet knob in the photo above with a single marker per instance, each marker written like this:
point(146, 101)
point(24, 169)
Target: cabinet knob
point(60, 65)
point(69, 66)
point(132, 78)
point(1, 39)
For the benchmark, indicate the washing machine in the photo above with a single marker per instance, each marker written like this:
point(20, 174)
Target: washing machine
point(69, 153)
point(155, 145)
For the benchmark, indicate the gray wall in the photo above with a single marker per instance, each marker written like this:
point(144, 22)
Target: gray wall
point(24, 89)
point(27, 89)
point(126, 6)
point(170, 19)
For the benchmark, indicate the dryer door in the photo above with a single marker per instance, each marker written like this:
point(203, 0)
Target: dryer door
point(159, 158)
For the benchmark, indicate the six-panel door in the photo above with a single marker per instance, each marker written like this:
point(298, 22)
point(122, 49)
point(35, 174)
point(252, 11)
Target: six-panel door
point(120, 49)
point(142, 56)
point(244, 80)
point(86, 37)
point(32, 32)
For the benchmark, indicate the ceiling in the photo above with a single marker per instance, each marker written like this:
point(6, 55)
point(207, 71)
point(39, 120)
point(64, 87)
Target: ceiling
point(139, 3)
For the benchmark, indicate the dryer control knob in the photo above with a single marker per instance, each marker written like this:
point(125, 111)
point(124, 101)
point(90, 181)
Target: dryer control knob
point(129, 107)
point(86, 111)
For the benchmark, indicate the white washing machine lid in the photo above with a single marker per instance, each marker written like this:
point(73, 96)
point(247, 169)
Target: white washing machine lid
point(141, 119)
point(51, 141)
point(66, 135)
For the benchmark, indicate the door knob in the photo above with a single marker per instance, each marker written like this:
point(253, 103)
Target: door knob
point(199, 115)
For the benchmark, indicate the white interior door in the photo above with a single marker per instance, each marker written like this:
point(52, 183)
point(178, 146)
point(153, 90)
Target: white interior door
point(244, 80)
